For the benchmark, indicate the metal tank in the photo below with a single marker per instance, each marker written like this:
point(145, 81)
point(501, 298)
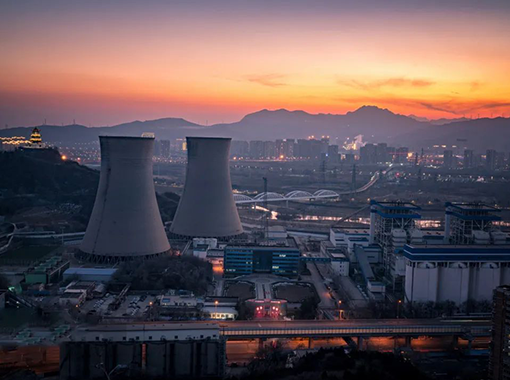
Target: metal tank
point(125, 223)
point(207, 207)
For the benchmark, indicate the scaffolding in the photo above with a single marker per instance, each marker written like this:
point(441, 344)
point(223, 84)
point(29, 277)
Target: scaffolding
point(463, 220)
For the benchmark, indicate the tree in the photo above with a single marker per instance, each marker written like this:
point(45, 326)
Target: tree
point(4, 282)
point(308, 308)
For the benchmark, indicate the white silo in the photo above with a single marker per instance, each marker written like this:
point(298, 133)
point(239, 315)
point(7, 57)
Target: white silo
point(125, 221)
point(207, 207)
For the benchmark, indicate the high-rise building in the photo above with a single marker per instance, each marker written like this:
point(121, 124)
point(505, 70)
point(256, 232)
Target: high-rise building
point(239, 149)
point(269, 149)
point(500, 160)
point(164, 148)
point(381, 151)
point(333, 153)
point(207, 207)
point(468, 159)
point(401, 155)
point(448, 159)
point(125, 223)
point(288, 148)
point(256, 149)
point(490, 159)
point(499, 363)
point(368, 154)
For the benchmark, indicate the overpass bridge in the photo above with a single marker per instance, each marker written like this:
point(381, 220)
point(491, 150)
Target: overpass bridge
point(467, 329)
point(300, 195)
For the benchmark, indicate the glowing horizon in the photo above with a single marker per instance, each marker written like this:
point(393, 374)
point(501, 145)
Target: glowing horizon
point(210, 62)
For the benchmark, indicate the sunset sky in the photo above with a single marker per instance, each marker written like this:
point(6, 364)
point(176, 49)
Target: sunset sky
point(107, 62)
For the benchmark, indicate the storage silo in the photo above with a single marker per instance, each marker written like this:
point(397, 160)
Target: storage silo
point(207, 207)
point(125, 223)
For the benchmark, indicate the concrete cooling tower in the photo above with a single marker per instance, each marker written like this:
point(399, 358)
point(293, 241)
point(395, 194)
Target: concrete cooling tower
point(125, 223)
point(207, 207)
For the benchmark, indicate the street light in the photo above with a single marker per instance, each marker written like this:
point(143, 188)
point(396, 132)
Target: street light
point(398, 308)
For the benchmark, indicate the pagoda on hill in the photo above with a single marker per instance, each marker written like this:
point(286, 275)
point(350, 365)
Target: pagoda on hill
point(36, 140)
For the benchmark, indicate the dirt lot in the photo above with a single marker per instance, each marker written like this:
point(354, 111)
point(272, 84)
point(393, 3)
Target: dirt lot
point(242, 290)
point(294, 293)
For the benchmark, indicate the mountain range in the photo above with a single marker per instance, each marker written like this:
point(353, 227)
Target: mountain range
point(375, 124)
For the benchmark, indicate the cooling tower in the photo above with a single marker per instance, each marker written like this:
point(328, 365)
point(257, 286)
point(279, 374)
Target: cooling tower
point(207, 207)
point(125, 221)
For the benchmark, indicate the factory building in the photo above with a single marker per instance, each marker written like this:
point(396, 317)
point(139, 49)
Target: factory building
point(472, 223)
point(149, 351)
point(90, 274)
point(47, 272)
point(207, 207)
point(275, 257)
point(499, 363)
point(392, 225)
point(125, 223)
point(455, 273)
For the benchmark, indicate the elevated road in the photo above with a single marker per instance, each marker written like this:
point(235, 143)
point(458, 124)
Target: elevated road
point(355, 328)
point(263, 329)
point(299, 195)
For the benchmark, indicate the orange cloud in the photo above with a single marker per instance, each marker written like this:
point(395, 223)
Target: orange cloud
point(270, 80)
point(390, 82)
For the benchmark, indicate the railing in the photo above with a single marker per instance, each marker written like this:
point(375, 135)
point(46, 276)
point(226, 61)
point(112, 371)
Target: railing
point(433, 330)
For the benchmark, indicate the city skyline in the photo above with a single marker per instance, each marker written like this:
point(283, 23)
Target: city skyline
point(209, 63)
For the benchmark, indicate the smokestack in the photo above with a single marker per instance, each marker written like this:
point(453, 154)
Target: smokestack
point(207, 207)
point(125, 223)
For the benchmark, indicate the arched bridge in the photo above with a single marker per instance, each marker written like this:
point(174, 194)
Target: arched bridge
point(305, 195)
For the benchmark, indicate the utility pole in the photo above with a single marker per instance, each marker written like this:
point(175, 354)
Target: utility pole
point(323, 171)
point(266, 224)
point(353, 182)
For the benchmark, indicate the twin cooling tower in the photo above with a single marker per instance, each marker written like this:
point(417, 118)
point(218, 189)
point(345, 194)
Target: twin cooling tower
point(125, 222)
point(207, 207)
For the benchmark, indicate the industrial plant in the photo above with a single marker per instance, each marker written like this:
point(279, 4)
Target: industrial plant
point(207, 207)
point(125, 223)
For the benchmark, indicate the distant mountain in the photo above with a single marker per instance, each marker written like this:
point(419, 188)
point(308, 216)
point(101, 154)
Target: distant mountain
point(74, 133)
point(441, 121)
point(374, 123)
point(477, 134)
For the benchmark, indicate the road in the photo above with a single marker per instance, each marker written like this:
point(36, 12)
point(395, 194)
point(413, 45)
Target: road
point(365, 323)
point(326, 302)
point(243, 351)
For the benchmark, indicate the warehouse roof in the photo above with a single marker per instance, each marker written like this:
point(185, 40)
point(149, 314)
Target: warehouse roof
point(91, 271)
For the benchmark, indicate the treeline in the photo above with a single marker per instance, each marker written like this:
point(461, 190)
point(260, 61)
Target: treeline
point(334, 364)
point(41, 178)
point(167, 272)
